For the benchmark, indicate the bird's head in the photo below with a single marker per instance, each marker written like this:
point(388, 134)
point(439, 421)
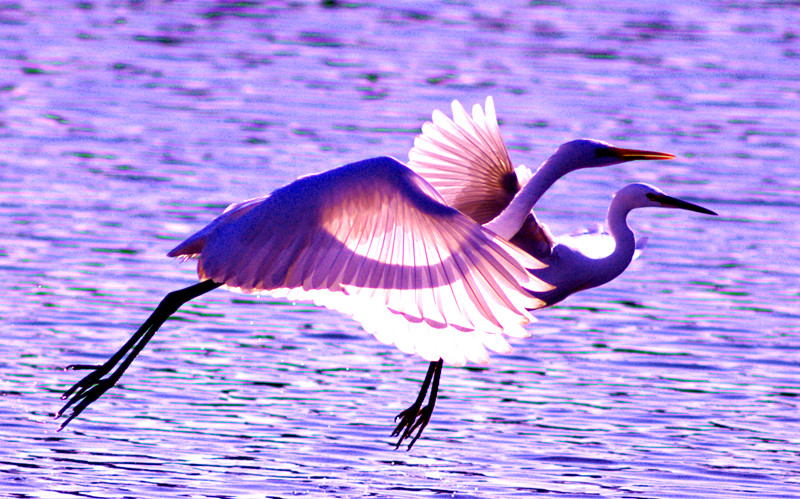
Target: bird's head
point(588, 153)
point(643, 195)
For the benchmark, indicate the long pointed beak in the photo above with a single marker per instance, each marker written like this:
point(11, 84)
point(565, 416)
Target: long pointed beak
point(671, 202)
point(635, 154)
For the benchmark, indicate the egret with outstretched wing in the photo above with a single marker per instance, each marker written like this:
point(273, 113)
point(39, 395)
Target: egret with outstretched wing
point(466, 161)
point(375, 240)
point(371, 239)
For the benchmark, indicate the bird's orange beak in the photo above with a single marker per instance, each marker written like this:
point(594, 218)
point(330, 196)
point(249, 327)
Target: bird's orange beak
point(635, 154)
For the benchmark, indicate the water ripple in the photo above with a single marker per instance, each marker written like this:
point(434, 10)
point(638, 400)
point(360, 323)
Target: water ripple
point(127, 127)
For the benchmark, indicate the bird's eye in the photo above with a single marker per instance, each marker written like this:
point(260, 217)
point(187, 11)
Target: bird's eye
point(651, 196)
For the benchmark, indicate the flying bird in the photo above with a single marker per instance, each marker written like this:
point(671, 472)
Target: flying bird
point(376, 240)
point(372, 239)
point(465, 159)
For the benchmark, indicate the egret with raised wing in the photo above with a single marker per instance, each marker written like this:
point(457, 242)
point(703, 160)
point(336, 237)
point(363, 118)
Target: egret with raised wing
point(465, 159)
point(376, 240)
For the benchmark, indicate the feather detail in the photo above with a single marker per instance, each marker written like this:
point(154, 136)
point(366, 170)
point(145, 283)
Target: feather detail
point(368, 239)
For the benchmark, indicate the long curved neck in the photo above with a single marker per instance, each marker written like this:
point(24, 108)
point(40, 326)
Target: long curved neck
point(509, 221)
point(610, 267)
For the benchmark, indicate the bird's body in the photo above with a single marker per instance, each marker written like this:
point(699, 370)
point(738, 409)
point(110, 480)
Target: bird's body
point(372, 239)
point(401, 249)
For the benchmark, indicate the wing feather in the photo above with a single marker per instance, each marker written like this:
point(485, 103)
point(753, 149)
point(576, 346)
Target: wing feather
point(466, 161)
point(369, 239)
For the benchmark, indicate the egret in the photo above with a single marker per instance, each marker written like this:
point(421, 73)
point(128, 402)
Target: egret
point(372, 239)
point(573, 267)
point(377, 241)
point(465, 159)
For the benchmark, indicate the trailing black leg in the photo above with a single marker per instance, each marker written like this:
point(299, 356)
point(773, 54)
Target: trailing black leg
point(417, 416)
point(94, 384)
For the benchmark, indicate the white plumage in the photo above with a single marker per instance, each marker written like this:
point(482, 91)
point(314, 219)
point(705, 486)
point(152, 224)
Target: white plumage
point(372, 240)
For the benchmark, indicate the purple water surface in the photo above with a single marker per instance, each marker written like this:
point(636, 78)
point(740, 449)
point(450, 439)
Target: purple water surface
point(126, 126)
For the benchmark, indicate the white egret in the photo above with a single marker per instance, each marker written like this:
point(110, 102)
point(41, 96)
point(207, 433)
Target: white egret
point(573, 266)
point(465, 159)
point(375, 240)
point(372, 239)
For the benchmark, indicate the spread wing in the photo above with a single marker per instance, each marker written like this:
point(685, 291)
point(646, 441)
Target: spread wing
point(371, 239)
point(466, 161)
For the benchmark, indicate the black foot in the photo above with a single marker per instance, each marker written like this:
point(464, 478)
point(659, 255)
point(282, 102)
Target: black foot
point(97, 382)
point(411, 419)
point(86, 391)
point(417, 417)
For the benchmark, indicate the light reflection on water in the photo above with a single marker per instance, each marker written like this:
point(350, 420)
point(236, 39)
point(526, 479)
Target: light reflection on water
point(125, 128)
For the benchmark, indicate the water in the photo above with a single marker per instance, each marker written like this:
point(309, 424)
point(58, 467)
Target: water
point(128, 125)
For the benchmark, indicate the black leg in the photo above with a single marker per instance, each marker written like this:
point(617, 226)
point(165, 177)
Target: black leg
point(93, 385)
point(417, 416)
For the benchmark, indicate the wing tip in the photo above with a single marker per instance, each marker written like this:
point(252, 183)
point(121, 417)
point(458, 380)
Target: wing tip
point(189, 248)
